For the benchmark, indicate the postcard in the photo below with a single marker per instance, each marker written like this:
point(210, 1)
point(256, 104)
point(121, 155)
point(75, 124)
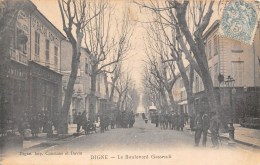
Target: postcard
point(129, 82)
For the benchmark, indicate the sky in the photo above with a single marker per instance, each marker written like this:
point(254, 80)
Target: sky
point(133, 62)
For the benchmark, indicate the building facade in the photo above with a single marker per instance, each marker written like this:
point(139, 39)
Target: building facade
point(228, 58)
point(82, 87)
point(33, 80)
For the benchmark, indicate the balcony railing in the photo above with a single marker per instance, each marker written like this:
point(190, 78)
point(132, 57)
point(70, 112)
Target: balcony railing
point(18, 56)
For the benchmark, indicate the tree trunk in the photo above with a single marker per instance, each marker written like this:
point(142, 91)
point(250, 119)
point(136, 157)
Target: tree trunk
point(92, 98)
point(190, 100)
point(173, 104)
point(198, 50)
point(63, 124)
point(119, 101)
point(112, 94)
point(164, 101)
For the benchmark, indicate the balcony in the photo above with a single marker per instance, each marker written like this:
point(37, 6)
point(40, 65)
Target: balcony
point(18, 56)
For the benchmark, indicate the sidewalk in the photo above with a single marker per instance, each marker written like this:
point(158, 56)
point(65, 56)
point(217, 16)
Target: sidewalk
point(246, 136)
point(42, 138)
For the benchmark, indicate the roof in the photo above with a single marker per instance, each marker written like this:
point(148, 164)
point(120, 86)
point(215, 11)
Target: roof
point(211, 28)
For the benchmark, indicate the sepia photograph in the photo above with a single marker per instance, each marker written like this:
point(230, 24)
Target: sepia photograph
point(112, 82)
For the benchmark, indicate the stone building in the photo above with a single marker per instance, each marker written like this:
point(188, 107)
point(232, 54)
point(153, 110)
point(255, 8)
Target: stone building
point(81, 96)
point(33, 80)
point(228, 59)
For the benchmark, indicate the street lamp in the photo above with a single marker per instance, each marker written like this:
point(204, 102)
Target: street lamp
point(230, 82)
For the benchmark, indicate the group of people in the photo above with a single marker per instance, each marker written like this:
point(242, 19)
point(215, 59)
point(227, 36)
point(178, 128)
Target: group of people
point(125, 119)
point(172, 121)
point(203, 123)
point(34, 124)
point(42, 123)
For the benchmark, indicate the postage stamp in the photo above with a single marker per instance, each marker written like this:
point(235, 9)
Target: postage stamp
point(239, 21)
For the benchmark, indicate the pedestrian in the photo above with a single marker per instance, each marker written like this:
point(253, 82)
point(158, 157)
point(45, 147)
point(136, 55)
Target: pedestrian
point(205, 128)
point(177, 116)
point(198, 129)
point(49, 130)
point(181, 121)
point(78, 121)
point(214, 129)
point(34, 126)
point(156, 120)
point(186, 118)
point(192, 121)
point(102, 124)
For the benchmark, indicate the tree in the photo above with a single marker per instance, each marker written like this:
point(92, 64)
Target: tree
point(155, 89)
point(75, 15)
point(114, 79)
point(105, 45)
point(157, 53)
point(122, 87)
point(200, 13)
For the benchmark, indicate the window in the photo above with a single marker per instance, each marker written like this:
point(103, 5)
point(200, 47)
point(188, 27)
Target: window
point(237, 48)
point(209, 50)
point(215, 45)
point(238, 72)
point(55, 56)
point(47, 51)
point(37, 44)
point(21, 41)
point(12, 40)
point(216, 74)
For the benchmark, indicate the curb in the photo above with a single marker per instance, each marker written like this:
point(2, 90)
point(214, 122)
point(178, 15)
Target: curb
point(237, 141)
point(52, 142)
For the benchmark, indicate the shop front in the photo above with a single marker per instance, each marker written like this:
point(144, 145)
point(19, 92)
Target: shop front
point(45, 91)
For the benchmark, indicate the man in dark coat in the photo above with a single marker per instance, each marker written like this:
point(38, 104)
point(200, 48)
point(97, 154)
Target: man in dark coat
point(205, 127)
point(192, 121)
point(198, 128)
point(181, 121)
point(78, 121)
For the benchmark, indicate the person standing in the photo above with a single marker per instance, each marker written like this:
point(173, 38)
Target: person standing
point(205, 128)
point(78, 121)
point(198, 128)
point(192, 121)
point(181, 121)
point(214, 129)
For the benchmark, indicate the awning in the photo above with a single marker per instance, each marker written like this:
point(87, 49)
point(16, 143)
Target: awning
point(183, 102)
